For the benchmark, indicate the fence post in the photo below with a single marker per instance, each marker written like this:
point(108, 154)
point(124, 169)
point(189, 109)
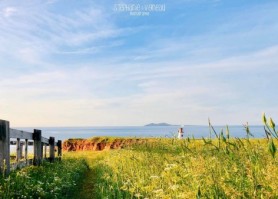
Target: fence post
point(52, 149)
point(37, 135)
point(26, 151)
point(18, 154)
point(45, 149)
point(21, 149)
point(4, 147)
point(59, 144)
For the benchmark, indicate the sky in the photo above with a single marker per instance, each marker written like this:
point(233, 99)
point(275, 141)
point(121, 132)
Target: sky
point(100, 63)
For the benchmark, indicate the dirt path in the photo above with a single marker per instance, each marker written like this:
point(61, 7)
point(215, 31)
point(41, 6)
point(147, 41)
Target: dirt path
point(88, 186)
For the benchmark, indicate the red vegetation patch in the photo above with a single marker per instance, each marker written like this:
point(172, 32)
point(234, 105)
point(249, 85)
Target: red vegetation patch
point(99, 144)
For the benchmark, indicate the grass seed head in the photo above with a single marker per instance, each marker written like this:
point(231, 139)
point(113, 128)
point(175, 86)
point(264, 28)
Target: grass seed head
point(272, 148)
point(264, 119)
point(271, 123)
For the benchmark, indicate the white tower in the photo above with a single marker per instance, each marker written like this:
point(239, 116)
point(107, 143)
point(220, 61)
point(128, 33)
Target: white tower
point(180, 133)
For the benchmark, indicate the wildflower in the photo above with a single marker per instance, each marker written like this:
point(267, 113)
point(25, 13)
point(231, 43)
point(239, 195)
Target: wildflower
point(174, 187)
point(137, 195)
point(154, 177)
point(172, 165)
point(39, 182)
point(158, 191)
point(124, 188)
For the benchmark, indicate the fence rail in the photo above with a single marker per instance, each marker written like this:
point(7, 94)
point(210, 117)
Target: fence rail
point(25, 139)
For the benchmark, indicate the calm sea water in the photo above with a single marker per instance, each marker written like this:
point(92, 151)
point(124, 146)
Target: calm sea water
point(63, 133)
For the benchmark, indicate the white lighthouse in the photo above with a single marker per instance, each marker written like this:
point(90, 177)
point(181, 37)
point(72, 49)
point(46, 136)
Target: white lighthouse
point(180, 133)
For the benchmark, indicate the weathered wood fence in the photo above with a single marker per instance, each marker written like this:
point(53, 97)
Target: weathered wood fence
point(25, 139)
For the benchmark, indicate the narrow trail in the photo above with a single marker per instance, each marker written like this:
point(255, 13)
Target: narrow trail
point(87, 189)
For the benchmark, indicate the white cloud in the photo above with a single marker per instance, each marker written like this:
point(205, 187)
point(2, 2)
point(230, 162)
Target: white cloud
point(29, 55)
point(179, 79)
point(9, 11)
point(37, 33)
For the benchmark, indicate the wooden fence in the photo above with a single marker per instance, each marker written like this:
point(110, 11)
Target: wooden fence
point(25, 139)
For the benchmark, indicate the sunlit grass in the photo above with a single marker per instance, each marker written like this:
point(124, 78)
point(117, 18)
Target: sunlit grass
point(51, 180)
point(223, 167)
point(170, 168)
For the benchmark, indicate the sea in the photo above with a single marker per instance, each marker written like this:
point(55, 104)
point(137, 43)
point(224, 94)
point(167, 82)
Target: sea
point(196, 131)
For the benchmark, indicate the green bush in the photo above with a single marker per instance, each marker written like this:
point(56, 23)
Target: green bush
point(51, 180)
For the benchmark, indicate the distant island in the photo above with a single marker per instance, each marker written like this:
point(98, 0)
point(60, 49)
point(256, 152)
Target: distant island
point(160, 124)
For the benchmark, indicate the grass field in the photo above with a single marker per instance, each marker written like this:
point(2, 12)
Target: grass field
point(51, 180)
point(222, 167)
point(170, 168)
point(219, 167)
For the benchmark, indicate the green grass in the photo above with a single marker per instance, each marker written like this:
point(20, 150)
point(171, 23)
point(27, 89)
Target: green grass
point(223, 167)
point(88, 188)
point(170, 168)
point(51, 180)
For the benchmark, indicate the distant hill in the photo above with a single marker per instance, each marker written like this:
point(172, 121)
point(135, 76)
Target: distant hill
point(160, 124)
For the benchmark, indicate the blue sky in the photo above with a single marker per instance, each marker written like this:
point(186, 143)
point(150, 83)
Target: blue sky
point(74, 63)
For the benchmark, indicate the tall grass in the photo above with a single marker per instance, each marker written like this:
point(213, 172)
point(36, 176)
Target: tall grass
point(223, 167)
point(157, 170)
point(51, 180)
point(220, 167)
